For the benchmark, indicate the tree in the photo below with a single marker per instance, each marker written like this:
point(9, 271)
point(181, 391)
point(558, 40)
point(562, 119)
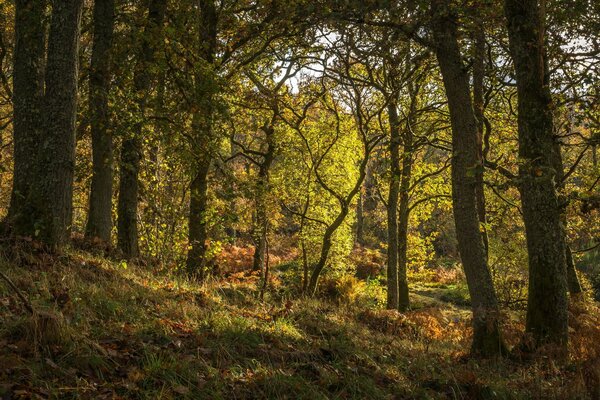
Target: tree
point(487, 340)
point(28, 91)
point(547, 314)
point(43, 206)
point(99, 222)
point(131, 147)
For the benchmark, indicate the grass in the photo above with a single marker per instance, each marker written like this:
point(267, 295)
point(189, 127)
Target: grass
point(142, 334)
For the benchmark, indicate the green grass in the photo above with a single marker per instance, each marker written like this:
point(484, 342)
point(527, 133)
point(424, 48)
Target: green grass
point(134, 333)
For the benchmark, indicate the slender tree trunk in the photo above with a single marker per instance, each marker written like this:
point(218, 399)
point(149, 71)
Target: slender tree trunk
point(203, 138)
point(331, 229)
point(487, 339)
point(478, 77)
point(28, 91)
point(131, 148)
point(360, 218)
point(404, 206)
point(392, 209)
point(262, 191)
point(573, 283)
point(305, 266)
point(197, 235)
point(366, 203)
point(547, 314)
point(99, 223)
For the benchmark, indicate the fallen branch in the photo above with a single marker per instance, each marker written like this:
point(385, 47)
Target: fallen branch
point(24, 299)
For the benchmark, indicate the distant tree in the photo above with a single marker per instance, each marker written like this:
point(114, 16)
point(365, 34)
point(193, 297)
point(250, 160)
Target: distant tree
point(131, 147)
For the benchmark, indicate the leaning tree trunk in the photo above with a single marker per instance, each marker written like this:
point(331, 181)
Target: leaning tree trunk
point(487, 340)
point(28, 90)
point(131, 148)
point(547, 314)
point(392, 209)
point(99, 223)
point(337, 222)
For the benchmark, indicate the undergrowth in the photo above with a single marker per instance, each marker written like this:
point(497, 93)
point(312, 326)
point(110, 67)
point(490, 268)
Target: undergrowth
point(128, 331)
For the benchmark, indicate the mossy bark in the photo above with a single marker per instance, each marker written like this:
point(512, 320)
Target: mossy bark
point(547, 314)
point(487, 339)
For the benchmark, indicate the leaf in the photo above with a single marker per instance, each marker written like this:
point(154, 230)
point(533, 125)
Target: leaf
point(181, 389)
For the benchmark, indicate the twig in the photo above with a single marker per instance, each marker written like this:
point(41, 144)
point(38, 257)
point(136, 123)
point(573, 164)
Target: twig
point(26, 302)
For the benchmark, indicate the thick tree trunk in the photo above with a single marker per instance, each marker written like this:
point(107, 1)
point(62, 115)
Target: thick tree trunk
point(547, 314)
point(28, 90)
point(51, 193)
point(487, 339)
point(131, 148)
point(392, 209)
point(99, 223)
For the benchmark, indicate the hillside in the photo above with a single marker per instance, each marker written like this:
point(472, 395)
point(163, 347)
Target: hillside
point(108, 330)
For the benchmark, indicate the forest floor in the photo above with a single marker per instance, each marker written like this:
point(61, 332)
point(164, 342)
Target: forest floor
point(105, 330)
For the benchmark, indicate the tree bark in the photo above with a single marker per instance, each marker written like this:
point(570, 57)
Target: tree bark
point(547, 314)
point(404, 206)
point(131, 148)
point(99, 223)
point(49, 200)
point(487, 339)
point(478, 78)
point(197, 235)
point(360, 219)
point(262, 191)
point(202, 134)
point(28, 91)
point(392, 209)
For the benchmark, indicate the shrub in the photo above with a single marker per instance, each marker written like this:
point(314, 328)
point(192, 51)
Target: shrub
point(346, 289)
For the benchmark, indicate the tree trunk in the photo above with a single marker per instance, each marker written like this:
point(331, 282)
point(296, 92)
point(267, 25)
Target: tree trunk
point(404, 206)
point(392, 209)
point(51, 195)
point(202, 138)
point(573, 284)
point(131, 148)
point(99, 223)
point(487, 339)
point(547, 314)
point(28, 90)
point(197, 235)
point(331, 229)
point(262, 191)
point(478, 77)
point(360, 219)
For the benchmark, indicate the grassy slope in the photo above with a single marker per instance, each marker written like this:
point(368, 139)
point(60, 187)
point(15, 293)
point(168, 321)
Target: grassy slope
point(105, 331)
